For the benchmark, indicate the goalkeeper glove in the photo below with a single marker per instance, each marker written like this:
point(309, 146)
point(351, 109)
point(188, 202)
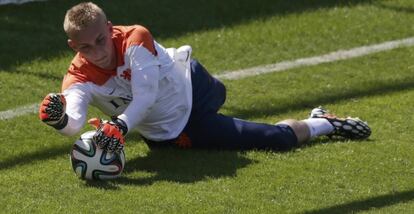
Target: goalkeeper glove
point(109, 135)
point(52, 111)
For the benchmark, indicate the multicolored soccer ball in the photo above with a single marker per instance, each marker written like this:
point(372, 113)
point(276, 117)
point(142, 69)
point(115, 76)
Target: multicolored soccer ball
point(92, 163)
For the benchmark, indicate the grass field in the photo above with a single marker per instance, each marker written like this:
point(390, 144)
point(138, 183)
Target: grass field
point(372, 176)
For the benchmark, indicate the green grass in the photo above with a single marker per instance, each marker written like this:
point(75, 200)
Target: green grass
point(373, 176)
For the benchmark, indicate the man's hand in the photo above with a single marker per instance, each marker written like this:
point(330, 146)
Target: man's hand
point(52, 110)
point(109, 135)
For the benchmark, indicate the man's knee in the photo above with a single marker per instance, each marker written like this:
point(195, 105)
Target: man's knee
point(300, 129)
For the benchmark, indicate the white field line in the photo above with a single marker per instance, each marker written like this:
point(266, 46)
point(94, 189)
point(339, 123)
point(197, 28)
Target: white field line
point(330, 57)
point(23, 110)
point(270, 68)
point(2, 2)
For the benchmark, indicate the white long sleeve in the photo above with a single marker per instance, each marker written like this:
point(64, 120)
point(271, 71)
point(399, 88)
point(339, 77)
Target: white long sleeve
point(144, 85)
point(78, 98)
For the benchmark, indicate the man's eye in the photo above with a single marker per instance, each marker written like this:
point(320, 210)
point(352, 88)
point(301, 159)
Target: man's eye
point(101, 41)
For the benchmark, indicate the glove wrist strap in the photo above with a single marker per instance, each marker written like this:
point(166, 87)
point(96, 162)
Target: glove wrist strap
point(121, 125)
point(61, 123)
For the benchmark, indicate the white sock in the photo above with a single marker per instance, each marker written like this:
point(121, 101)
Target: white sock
point(319, 126)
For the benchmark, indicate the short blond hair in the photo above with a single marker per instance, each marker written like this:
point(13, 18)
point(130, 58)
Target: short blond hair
point(81, 16)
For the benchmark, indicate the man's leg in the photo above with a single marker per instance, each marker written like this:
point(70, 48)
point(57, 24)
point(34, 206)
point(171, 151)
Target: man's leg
point(220, 131)
point(322, 123)
point(300, 128)
point(208, 129)
point(224, 132)
point(209, 94)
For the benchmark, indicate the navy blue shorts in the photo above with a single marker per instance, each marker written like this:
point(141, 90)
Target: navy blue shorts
point(207, 128)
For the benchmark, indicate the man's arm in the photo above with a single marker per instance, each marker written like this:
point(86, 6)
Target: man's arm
point(78, 97)
point(67, 113)
point(144, 85)
point(144, 88)
point(141, 58)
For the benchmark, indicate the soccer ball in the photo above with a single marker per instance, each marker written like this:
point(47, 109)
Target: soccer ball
point(92, 163)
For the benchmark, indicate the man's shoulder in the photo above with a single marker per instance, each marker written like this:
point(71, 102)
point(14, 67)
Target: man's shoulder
point(132, 31)
point(135, 35)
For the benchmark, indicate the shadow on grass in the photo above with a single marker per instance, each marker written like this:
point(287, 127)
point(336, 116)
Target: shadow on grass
point(177, 165)
point(165, 164)
point(187, 166)
point(367, 204)
point(184, 166)
point(29, 158)
point(390, 6)
point(377, 87)
point(162, 164)
point(34, 30)
point(106, 185)
point(334, 140)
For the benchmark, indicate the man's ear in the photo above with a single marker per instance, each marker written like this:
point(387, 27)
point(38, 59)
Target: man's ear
point(72, 45)
point(110, 26)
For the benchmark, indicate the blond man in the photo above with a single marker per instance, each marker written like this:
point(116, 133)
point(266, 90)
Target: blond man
point(164, 94)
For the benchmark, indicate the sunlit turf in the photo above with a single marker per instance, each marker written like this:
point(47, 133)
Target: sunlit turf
point(327, 176)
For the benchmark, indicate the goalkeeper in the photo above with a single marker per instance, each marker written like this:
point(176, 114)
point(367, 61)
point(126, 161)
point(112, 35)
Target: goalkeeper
point(164, 94)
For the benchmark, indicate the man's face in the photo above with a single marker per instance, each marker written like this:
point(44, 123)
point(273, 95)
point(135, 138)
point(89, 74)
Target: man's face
point(95, 44)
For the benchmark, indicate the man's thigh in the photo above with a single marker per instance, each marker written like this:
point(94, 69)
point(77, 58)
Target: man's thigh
point(224, 132)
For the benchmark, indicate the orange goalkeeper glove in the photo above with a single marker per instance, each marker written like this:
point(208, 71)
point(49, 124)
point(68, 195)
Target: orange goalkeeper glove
point(52, 111)
point(109, 135)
